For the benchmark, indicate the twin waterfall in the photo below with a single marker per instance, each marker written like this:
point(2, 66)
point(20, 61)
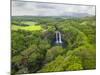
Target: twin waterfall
point(58, 38)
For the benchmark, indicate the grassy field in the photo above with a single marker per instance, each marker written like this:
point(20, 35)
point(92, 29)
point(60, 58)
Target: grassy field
point(29, 28)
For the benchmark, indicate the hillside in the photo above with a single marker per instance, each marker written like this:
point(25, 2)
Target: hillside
point(34, 49)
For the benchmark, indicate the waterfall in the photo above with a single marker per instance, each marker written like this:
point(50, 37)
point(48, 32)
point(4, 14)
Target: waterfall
point(60, 41)
point(58, 37)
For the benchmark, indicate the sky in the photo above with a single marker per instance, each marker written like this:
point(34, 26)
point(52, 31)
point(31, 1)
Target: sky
point(20, 8)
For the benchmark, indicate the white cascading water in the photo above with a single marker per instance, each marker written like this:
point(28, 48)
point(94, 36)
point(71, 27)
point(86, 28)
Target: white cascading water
point(58, 37)
point(60, 41)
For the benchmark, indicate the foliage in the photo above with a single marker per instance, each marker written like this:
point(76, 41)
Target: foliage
point(34, 48)
point(63, 64)
point(53, 52)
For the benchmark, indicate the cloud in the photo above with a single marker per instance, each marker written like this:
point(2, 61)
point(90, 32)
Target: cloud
point(48, 9)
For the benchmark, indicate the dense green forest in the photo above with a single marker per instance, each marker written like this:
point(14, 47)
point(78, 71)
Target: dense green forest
point(34, 49)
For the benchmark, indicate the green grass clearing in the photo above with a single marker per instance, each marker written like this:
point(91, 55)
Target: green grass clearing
point(29, 28)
